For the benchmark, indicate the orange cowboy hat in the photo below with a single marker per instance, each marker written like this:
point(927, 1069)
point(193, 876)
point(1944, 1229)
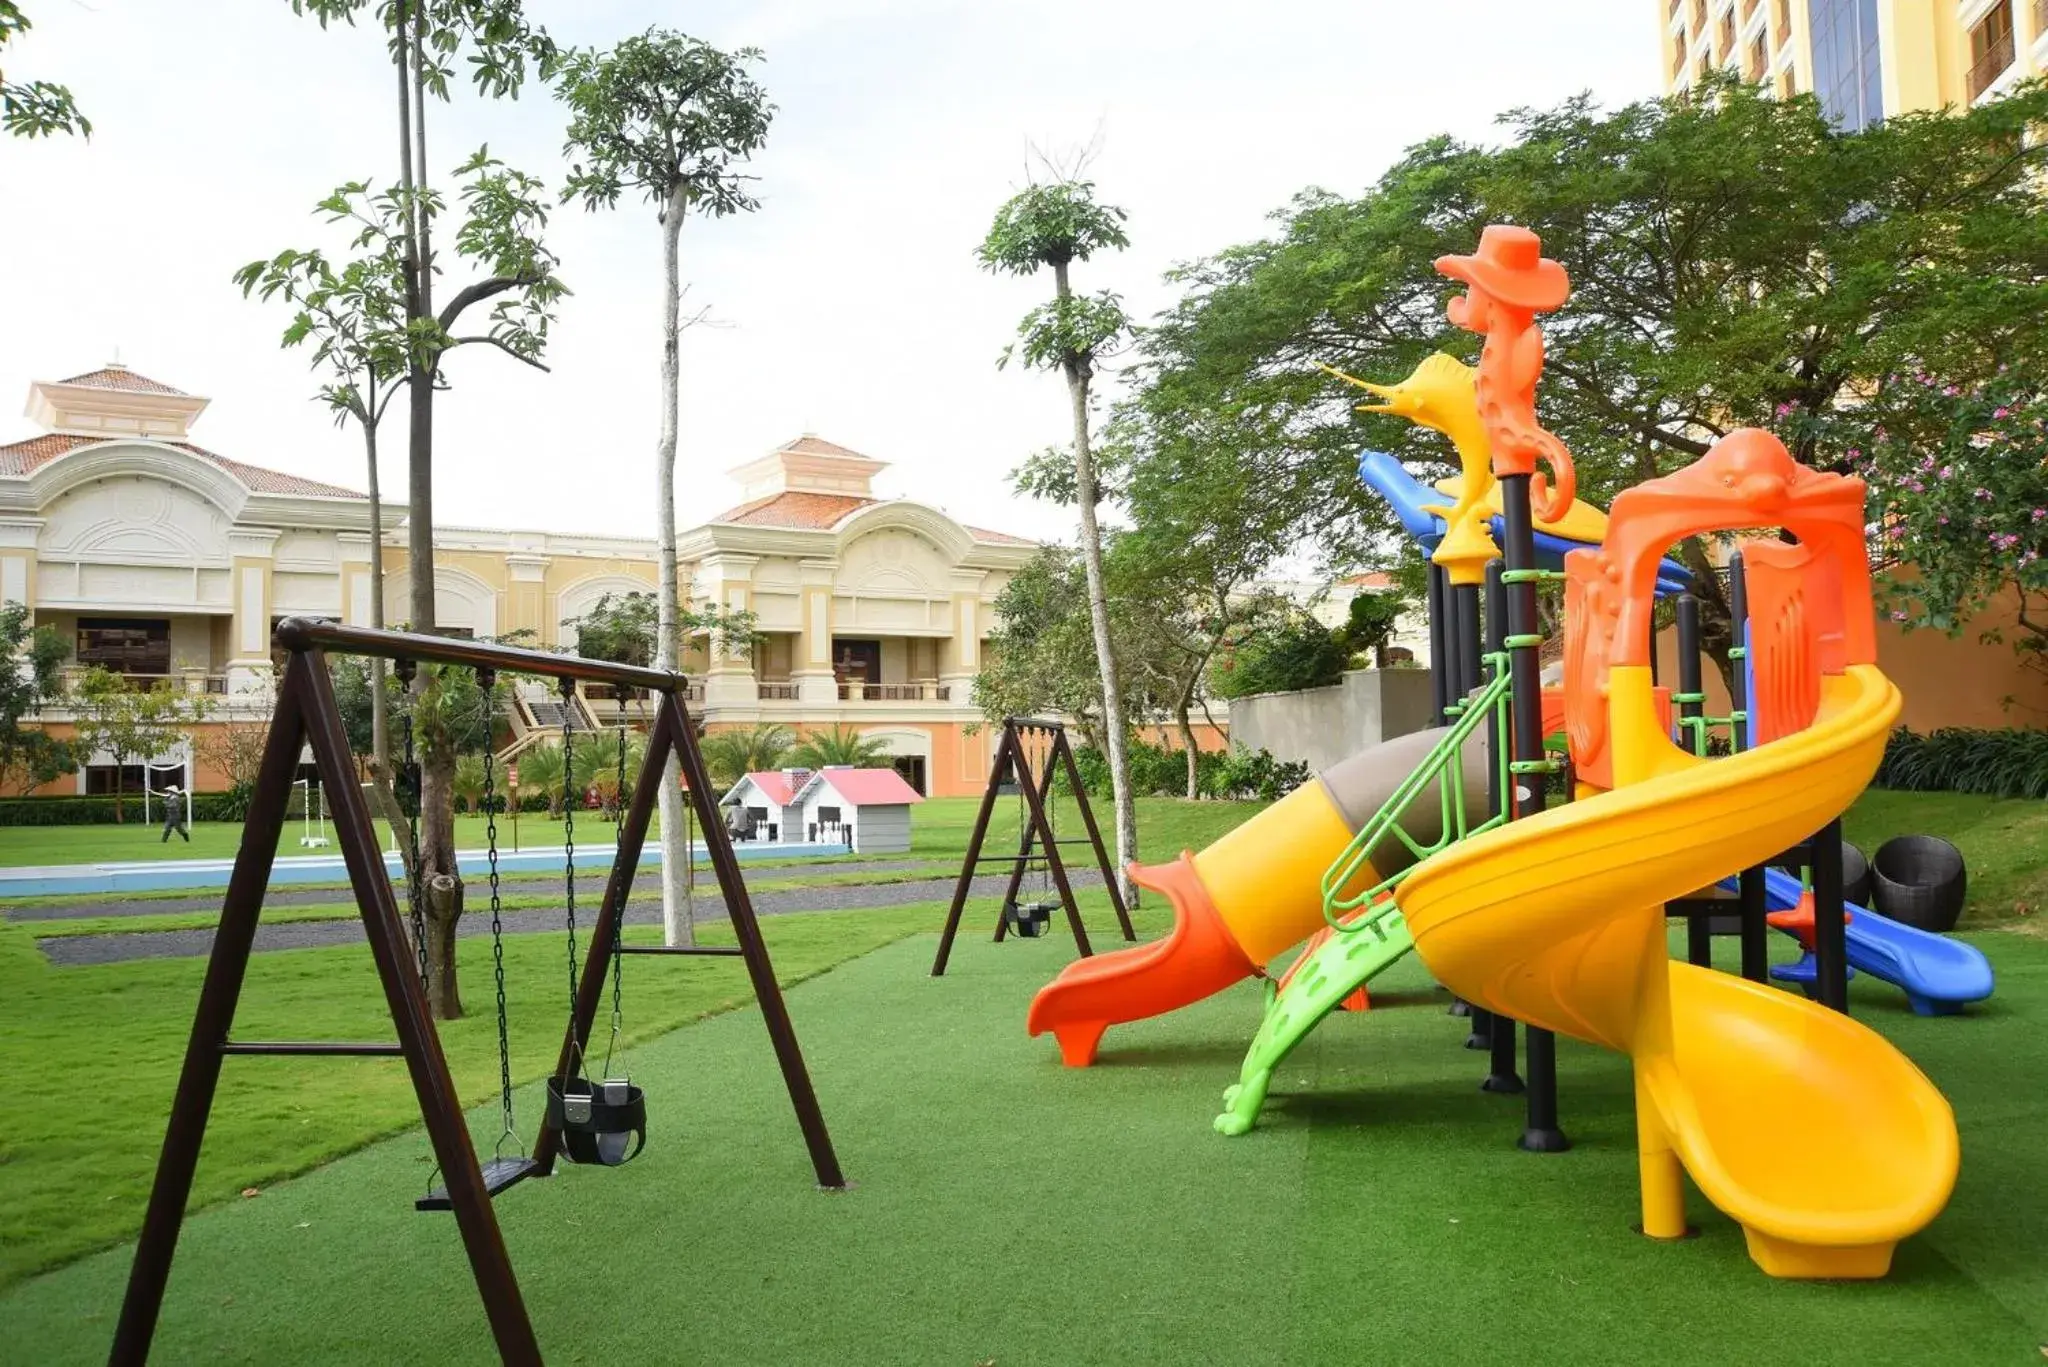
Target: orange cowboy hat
point(1511, 267)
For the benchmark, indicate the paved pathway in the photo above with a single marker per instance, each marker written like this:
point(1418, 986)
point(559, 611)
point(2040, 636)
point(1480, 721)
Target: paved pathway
point(646, 883)
point(73, 950)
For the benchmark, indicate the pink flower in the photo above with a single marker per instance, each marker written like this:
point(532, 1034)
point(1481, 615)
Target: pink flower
point(1943, 519)
point(1983, 493)
point(2040, 513)
point(1783, 409)
point(1948, 471)
point(1949, 390)
point(1855, 453)
point(1897, 615)
point(2001, 412)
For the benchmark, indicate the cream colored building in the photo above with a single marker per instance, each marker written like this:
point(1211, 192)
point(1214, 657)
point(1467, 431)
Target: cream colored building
point(162, 560)
point(1865, 59)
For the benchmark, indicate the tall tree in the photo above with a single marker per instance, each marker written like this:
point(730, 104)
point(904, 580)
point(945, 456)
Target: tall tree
point(29, 682)
point(1735, 260)
point(672, 118)
point(355, 319)
point(505, 211)
point(34, 109)
point(1052, 225)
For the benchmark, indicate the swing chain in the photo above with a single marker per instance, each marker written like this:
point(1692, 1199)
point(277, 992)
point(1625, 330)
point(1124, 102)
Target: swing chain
point(486, 680)
point(619, 912)
point(567, 687)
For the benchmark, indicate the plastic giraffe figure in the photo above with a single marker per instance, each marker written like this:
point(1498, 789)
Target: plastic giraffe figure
point(1508, 282)
point(1439, 394)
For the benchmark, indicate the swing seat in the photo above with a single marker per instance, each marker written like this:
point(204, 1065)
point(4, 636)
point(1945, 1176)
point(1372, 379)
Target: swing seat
point(602, 1123)
point(1028, 919)
point(499, 1174)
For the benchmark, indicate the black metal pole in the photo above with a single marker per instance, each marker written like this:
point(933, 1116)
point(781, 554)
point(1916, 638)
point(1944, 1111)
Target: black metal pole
point(1005, 755)
point(1541, 1133)
point(1699, 928)
point(1756, 953)
point(1830, 953)
point(1501, 1076)
point(1467, 634)
point(1439, 662)
point(1448, 638)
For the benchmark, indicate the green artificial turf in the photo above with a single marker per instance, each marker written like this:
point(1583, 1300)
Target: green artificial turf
point(1008, 1211)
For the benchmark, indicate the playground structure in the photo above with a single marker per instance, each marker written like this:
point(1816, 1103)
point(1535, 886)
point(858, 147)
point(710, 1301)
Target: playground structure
point(1556, 918)
point(1031, 752)
point(599, 1121)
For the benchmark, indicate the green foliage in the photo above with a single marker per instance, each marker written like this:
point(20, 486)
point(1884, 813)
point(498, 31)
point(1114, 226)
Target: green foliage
point(34, 109)
point(1041, 653)
point(1054, 224)
point(1159, 771)
point(1257, 774)
point(667, 115)
point(1296, 651)
point(131, 724)
point(1731, 255)
point(1959, 493)
point(743, 750)
point(1370, 623)
point(2008, 762)
point(540, 774)
point(840, 745)
point(29, 659)
point(492, 36)
point(1051, 224)
point(619, 627)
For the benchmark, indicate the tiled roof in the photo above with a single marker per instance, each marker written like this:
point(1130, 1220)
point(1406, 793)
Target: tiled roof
point(813, 512)
point(865, 787)
point(808, 445)
point(120, 377)
point(998, 538)
point(23, 458)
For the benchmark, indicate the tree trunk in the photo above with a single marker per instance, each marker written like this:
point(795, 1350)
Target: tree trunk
point(676, 927)
point(1187, 739)
point(380, 723)
point(437, 751)
point(1078, 373)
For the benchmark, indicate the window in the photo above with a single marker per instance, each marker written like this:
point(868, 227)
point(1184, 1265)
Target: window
point(1727, 45)
point(1759, 60)
point(856, 661)
point(1991, 47)
point(104, 780)
point(828, 816)
point(1678, 58)
point(912, 769)
point(126, 645)
point(1781, 21)
point(1847, 74)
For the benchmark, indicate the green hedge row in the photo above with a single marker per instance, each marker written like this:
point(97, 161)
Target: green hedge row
point(99, 811)
point(1160, 772)
point(2009, 762)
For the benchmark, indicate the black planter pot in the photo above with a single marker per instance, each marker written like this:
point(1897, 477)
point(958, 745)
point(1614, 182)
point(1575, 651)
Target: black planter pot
point(1920, 880)
point(1855, 876)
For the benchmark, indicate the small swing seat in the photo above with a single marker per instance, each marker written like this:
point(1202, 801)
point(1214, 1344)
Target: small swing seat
point(602, 1123)
point(499, 1173)
point(1028, 919)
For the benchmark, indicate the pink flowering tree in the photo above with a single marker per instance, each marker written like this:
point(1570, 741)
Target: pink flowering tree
point(1958, 481)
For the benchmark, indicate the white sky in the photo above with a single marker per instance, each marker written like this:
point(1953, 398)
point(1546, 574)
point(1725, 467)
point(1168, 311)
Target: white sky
point(852, 303)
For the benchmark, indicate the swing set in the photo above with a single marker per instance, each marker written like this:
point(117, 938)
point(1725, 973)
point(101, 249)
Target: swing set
point(600, 1121)
point(1031, 751)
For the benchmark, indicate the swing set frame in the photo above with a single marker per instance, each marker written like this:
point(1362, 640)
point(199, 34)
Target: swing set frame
point(307, 714)
point(1012, 764)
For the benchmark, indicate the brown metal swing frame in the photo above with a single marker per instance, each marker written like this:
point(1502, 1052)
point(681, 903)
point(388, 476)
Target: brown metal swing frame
point(307, 714)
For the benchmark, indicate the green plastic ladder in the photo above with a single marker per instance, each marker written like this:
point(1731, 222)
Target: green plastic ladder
point(1367, 944)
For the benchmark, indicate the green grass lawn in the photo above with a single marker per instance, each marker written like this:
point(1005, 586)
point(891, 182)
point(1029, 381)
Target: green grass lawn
point(1008, 1211)
point(2004, 842)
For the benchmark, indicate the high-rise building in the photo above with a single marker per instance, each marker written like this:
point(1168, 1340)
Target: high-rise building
point(1865, 59)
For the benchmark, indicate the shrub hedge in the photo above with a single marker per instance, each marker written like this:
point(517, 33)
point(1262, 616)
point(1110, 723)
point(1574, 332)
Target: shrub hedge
point(1159, 772)
point(2010, 761)
point(99, 811)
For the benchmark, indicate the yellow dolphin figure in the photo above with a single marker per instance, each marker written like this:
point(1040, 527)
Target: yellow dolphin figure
point(1439, 393)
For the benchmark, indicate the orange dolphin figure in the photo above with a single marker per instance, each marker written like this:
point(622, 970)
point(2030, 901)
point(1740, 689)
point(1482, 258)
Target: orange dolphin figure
point(1508, 282)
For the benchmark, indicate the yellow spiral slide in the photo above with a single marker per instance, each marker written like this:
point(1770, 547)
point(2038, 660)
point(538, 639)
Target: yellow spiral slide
point(1812, 1131)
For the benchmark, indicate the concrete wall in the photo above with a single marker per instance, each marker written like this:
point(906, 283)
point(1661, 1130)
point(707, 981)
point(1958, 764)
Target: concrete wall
point(1321, 726)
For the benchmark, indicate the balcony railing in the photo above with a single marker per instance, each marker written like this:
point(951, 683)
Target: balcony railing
point(775, 692)
point(1989, 67)
point(877, 692)
point(191, 681)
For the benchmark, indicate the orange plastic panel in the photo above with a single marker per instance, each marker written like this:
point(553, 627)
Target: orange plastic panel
point(1787, 616)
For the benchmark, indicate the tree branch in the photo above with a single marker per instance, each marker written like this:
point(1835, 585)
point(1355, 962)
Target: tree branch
point(477, 293)
point(454, 342)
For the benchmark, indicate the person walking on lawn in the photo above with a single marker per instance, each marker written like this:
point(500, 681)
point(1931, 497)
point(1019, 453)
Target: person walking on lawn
point(174, 815)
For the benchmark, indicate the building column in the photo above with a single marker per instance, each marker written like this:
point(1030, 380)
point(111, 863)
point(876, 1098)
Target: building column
point(960, 653)
point(811, 666)
point(18, 561)
point(525, 605)
point(729, 581)
point(253, 553)
point(355, 578)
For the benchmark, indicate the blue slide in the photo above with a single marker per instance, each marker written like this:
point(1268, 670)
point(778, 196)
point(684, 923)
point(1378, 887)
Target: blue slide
point(1938, 974)
point(1407, 495)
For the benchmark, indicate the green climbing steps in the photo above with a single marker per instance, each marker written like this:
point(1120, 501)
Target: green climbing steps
point(1367, 934)
point(1335, 969)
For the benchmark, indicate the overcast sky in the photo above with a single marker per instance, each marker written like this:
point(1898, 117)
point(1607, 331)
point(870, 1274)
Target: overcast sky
point(850, 304)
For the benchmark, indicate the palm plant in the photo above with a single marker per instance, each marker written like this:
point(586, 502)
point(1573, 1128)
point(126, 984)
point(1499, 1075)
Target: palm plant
point(730, 754)
point(468, 784)
point(597, 766)
point(842, 745)
point(540, 770)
